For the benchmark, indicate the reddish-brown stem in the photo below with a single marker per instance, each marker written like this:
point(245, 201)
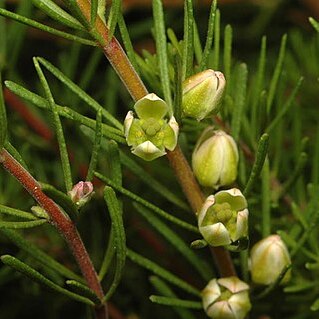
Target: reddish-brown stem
point(115, 54)
point(118, 59)
point(61, 221)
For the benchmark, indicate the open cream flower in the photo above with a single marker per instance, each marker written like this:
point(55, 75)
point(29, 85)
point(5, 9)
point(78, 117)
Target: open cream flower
point(226, 298)
point(152, 132)
point(223, 219)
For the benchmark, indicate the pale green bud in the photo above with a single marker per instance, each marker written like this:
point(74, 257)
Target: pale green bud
point(269, 257)
point(151, 133)
point(223, 219)
point(215, 159)
point(202, 94)
point(226, 298)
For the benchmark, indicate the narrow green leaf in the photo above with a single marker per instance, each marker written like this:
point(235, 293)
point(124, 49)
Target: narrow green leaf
point(43, 27)
point(114, 14)
point(277, 72)
point(96, 146)
point(175, 302)
point(314, 23)
point(83, 290)
point(57, 13)
point(39, 255)
point(161, 286)
point(127, 42)
point(209, 37)
point(200, 265)
point(228, 39)
point(152, 182)
point(66, 112)
point(94, 7)
point(3, 40)
point(174, 41)
point(16, 212)
point(39, 278)
point(114, 162)
point(262, 150)
point(20, 225)
point(115, 211)
point(79, 92)
point(285, 107)
point(198, 50)
point(178, 92)
point(266, 208)
point(3, 116)
point(161, 50)
point(108, 255)
point(61, 199)
point(216, 41)
point(147, 204)
point(240, 98)
point(258, 85)
point(300, 287)
point(58, 127)
point(161, 272)
point(188, 47)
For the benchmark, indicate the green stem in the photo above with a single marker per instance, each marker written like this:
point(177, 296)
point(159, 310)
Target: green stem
point(58, 219)
point(120, 62)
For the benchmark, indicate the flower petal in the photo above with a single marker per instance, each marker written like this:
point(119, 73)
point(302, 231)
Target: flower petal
point(151, 106)
point(232, 196)
point(210, 293)
point(148, 151)
point(216, 234)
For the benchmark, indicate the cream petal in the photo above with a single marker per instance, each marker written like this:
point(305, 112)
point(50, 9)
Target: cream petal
point(210, 293)
point(233, 284)
point(151, 106)
point(232, 196)
point(242, 224)
point(128, 122)
point(240, 304)
point(220, 310)
point(148, 151)
point(210, 200)
point(216, 234)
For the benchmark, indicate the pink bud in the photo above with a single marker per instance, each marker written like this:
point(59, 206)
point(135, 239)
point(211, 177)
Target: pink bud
point(81, 193)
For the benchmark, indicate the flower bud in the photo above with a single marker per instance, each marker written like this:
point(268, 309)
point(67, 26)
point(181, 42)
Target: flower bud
point(151, 133)
point(81, 193)
point(202, 94)
point(223, 219)
point(215, 159)
point(269, 257)
point(226, 298)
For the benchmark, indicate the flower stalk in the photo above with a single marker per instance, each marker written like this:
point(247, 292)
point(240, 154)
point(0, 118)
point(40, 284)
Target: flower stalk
point(61, 221)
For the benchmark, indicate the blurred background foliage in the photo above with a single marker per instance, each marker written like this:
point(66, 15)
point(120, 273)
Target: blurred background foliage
point(292, 194)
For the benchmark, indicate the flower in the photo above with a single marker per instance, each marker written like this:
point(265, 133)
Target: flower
point(202, 94)
point(151, 133)
point(269, 257)
point(223, 219)
point(226, 298)
point(215, 159)
point(81, 193)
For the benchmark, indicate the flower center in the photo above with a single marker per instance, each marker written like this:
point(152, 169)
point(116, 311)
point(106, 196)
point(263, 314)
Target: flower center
point(225, 294)
point(222, 212)
point(151, 126)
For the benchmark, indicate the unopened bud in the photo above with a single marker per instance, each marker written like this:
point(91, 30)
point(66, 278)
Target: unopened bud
point(81, 193)
point(152, 132)
point(223, 219)
point(226, 298)
point(215, 159)
point(269, 257)
point(202, 94)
